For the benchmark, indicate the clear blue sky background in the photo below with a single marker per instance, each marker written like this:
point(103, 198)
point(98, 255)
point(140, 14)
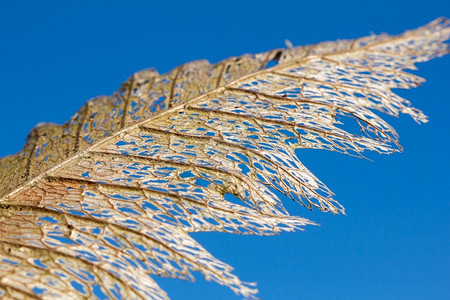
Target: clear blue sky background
point(394, 242)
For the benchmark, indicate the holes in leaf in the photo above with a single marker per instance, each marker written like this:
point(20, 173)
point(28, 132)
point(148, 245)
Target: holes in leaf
point(99, 293)
point(291, 141)
point(186, 174)
point(62, 239)
point(286, 132)
point(38, 263)
point(129, 210)
point(274, 61)
point(271, 63)
point(78, 286)
point(112, 242)
point(242, 157)
point(244, 169)
point(202, 182)
point(10, 262)
point(48, 219)
point(235, 200)
point(77, 212)
point(38, 291)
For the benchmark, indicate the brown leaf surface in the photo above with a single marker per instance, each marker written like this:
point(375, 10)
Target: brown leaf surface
point(99, 204)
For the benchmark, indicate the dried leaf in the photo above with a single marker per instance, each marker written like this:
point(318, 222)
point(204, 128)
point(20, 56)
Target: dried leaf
point(97, 205)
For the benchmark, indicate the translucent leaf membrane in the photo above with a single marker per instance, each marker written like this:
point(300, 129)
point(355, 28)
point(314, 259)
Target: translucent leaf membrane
point(345, 102)
point(242, 170)
point(95, 207)
point(77, 247)
point(236, 139)
point(302, 123)
point(360, 85)
point(131, 253)
point(186, 180)
point(149, 208)
point(29, 271)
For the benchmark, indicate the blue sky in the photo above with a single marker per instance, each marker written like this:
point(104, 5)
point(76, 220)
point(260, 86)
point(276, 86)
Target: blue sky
point(394, 241)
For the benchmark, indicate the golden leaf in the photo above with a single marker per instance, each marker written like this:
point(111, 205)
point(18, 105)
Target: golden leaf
point(99, 204)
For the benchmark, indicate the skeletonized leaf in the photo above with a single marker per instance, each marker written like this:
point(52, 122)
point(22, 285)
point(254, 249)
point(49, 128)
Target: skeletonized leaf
point(96, 206)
